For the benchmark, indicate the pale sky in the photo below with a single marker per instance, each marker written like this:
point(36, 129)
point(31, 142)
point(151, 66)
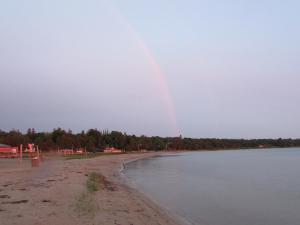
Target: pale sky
point(209, 68)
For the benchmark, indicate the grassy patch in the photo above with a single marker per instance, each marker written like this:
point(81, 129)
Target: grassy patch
point(90, 155)
point(95, 182)
point(86, 205)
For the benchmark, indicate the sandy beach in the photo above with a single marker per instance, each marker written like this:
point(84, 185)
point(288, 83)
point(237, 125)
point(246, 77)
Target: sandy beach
point(57, 193)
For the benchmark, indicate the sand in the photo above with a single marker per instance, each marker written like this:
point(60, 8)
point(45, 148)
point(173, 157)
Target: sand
point(56, 193)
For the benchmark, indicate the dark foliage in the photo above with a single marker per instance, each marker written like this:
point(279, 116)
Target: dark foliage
point(95, 140)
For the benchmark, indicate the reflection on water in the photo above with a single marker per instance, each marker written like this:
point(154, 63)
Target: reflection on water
point(247, 187)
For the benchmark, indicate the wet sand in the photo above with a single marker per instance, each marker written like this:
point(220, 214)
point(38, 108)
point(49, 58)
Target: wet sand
point(56, 193)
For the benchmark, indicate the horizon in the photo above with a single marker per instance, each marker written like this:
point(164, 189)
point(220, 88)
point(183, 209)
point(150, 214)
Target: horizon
point(197, 68)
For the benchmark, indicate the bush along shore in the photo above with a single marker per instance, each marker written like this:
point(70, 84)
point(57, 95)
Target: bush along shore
point(96, 140)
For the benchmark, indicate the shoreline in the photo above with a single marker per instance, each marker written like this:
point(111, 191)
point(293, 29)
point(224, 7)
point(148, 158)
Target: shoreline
point(176, 219)
point(165, 212)
point(56, 193)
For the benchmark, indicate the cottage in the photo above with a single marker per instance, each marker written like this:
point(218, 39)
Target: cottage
point(7, 151)
point(66, 152)
point(112, 150)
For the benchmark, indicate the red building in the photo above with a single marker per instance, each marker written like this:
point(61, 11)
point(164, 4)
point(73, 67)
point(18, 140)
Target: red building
point(7, 151)
point(112, 150)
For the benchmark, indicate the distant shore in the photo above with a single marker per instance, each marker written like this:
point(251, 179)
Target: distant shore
point(64, 192)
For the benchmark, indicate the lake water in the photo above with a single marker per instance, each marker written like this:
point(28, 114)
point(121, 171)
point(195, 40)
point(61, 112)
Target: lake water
point(244, 187)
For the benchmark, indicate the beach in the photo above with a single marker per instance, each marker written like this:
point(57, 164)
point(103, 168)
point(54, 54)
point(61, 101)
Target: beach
point(57, 193)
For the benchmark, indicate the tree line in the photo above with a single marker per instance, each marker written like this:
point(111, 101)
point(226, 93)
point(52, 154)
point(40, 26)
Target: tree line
point(96, 140)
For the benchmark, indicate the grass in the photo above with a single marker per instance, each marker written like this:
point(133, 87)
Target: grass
point(86, 205)
point(95, 182)
point(69, 157)
point(90, 155)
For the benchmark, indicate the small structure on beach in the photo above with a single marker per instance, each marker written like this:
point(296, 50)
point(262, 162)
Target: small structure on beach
point(112, 150)
point(7, 151)
point(66, 152)
point(31, 148)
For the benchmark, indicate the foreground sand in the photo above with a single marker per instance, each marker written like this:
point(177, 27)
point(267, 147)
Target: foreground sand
point(56, 194)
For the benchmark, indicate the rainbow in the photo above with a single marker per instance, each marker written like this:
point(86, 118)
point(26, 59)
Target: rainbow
point(157, 71)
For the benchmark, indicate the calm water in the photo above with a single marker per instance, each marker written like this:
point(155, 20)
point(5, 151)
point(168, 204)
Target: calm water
point(249, 187)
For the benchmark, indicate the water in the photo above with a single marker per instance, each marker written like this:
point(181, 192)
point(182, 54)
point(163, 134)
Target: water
point(245, 187)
